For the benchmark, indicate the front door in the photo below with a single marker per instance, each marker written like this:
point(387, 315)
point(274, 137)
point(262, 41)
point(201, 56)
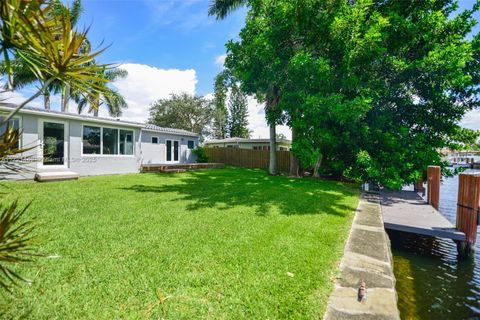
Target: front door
point(53, 144)
point(172, 150)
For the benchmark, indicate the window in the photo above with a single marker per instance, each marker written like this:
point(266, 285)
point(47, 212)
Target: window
point(126, 142)
point(191, 144)
point(91, 140)
point(154, 139)
point(110, 141)
point(13, 123)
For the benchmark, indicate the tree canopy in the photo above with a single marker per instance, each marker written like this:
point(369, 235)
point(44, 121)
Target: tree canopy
point(183, 111)
point(373, 89)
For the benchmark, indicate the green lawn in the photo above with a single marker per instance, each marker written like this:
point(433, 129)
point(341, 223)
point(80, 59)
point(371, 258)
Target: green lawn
point(220, 244)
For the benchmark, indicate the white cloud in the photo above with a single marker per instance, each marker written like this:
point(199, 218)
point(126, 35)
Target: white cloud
point(145, 84)
point(471, 120)
point(257, 122)
point(220, 60)
point(16, 97)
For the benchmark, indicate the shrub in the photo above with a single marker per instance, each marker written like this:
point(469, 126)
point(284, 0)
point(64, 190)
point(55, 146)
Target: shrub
point(201, 155)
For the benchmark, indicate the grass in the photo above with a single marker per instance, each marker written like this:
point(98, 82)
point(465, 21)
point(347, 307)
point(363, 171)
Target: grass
point(218, 244)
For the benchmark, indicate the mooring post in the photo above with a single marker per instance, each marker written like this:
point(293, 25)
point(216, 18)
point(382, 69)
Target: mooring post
point(433, 186)
point(418, 186)
point(468, 210)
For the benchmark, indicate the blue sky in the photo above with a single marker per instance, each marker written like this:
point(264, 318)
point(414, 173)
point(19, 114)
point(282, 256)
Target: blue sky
point(167, 34)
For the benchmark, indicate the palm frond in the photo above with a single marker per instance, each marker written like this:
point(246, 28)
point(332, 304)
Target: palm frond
point(222, 8)
point(115, 102)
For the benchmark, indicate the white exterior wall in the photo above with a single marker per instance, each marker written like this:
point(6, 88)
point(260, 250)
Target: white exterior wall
point(74, 159)
point(156, 153)
point(88, 164)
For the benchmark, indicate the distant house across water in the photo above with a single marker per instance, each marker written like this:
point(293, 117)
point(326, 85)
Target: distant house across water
point(252, 144)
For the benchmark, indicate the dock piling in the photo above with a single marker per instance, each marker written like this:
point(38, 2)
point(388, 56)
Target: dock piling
point(433, 186)
point(468, 210)
point(418, 187)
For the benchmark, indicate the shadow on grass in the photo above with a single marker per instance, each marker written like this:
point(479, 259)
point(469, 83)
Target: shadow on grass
point(224, 189)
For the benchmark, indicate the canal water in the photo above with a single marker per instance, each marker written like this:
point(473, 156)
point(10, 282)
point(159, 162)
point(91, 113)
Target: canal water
point(432, 283)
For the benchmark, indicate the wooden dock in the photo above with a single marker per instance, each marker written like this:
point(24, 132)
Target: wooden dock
point(406, 211)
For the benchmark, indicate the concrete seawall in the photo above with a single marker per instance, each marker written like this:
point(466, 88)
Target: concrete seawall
point(368, 258)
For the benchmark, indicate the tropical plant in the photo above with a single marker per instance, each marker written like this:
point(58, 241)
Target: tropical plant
point(15, 243)
point(33, 34)
point(48, 45)
point(221, 8)
point(110, 98)
point(22, 75)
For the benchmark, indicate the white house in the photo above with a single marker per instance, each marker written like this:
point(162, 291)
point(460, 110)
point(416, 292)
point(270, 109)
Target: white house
point(94, 146)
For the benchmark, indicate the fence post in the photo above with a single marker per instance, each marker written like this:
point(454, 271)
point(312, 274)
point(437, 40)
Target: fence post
point(433, 187)
point(468, 210)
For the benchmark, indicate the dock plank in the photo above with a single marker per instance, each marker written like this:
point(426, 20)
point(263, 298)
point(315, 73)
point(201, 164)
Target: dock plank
point(406, 211)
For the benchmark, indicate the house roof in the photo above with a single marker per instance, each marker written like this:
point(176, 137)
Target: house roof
point(83, 117)
point(244, 140)
point(152, 127)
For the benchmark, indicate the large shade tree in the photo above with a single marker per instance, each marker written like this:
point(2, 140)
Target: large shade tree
point(372, 89)
point(384, 89)
point(184, 111)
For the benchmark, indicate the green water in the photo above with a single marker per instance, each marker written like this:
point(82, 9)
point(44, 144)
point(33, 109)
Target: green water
point(432, 282)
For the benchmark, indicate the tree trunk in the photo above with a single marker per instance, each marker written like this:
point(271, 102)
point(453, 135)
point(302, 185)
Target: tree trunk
point(272, 169)
point(46, 100)
point(65, 97)
point(318, 164)
point(96, 106)
point(294, 165)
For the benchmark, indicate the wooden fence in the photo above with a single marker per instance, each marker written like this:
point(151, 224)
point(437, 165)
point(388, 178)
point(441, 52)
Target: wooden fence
point(248, 158)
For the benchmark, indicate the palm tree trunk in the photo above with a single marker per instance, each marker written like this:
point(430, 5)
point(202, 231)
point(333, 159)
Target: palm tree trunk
point(294, 165)
point(46, 99)
point(9, 70)
point(65, 97)
point(272, 169)
point(96, 107)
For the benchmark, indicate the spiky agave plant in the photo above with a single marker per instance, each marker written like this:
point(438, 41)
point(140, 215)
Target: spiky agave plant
point(15, 243)
point(15, 233)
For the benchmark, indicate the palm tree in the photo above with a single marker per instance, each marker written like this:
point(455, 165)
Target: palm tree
point(22, 75)
point(73, 12)
point(109, 97)
point(220, 9)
